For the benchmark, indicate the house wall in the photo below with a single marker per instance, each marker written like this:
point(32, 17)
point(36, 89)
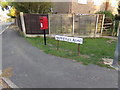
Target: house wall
point(89, 8)
point(114, 8)
point(61, 7)
point(84, 8)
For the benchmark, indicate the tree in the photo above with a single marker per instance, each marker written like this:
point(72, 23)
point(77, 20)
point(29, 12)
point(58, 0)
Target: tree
point(32, 7)
point(4, 5)
point(26, 7)
point(13, 12)
point(108, 14)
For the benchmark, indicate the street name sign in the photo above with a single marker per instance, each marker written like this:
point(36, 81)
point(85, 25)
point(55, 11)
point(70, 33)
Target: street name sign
point(76, 40)
point(69, 39)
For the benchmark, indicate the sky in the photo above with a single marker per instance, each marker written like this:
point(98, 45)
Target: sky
point(3, 13)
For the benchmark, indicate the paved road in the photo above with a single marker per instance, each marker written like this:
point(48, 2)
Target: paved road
point(3, 25)
point(32, 68)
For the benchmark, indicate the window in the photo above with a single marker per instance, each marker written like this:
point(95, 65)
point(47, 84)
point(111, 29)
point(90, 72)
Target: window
point(82, 1)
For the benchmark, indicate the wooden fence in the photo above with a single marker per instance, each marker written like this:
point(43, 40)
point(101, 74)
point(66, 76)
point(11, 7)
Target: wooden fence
point(69, 24)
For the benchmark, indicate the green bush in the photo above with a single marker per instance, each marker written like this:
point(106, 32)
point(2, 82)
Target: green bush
point(116, 25)
point(117, 17)
point(108, 14)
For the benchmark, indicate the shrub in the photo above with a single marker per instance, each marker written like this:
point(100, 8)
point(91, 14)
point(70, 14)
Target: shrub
point(108, 14)
point(117, 17)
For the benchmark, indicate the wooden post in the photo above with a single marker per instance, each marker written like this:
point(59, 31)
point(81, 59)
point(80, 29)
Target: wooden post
point(61, 24)
point(23, 23)
point(118, 29)
point(78, 49)
point(102, 24)
point(73, 26)
point(58, 45)
point(44, 37)
point(96, 26)
point(113, 28)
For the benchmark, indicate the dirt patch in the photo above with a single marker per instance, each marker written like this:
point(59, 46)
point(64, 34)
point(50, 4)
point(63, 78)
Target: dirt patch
point(5, 73)
point(110, 41)
point(3, 84)
point(107, 61)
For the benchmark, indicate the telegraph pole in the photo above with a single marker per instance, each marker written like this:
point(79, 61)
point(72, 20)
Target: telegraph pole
point(117, 54)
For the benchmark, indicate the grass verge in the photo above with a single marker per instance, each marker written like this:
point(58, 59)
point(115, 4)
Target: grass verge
point(92, 51)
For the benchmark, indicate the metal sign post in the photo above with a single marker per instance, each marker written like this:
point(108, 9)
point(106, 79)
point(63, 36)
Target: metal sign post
point(44, 37)
point(58, 45)
point(44, 26)
point(78, 49)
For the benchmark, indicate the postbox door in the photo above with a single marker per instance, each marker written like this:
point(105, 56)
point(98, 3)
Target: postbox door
point(43, 23)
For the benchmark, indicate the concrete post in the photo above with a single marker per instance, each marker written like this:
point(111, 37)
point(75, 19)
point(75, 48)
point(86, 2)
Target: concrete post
point(23, 23)
point(96, 25)
point(102, 24)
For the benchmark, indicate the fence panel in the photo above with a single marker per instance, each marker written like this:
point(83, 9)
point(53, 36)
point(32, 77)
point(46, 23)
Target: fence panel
point(67, 23)
point(19, 22)
point(55, 24)
point(61, 24)
point(85, 25)
point(32, 24)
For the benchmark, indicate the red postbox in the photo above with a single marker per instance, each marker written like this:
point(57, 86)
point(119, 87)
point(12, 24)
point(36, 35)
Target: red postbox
point(43, 23)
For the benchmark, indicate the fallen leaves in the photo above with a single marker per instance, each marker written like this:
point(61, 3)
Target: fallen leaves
point(5, 73)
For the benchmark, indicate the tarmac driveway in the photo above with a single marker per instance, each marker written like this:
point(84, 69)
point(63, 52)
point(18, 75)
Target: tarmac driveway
point(32, 68)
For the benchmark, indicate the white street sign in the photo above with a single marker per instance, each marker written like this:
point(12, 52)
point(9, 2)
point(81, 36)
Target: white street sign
point(69, 39)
